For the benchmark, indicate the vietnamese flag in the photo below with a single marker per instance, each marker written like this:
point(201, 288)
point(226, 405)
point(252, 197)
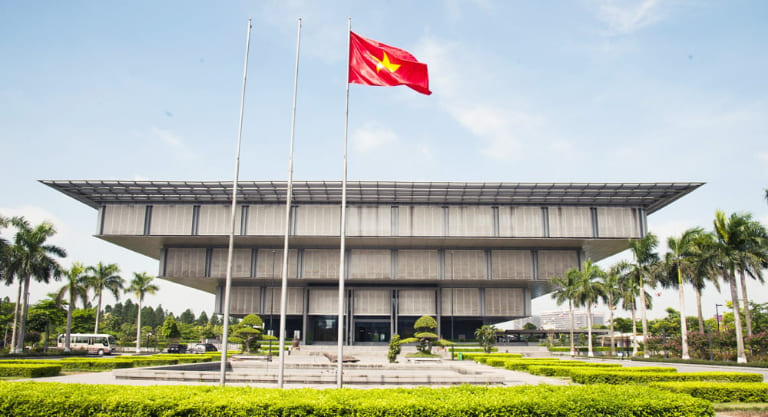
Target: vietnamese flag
point(375, 63)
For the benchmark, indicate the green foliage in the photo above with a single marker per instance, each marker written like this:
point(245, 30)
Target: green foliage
point(486, 334)
point(248, 332)
point(28, 370)
point(624, 377)
point(73, 400)
point(424, 335)
point(476, 356)
point(394, 348)
point(529, 326)
point(719, 392)
point(170, 329)
point(565, 370)
point(425, 324)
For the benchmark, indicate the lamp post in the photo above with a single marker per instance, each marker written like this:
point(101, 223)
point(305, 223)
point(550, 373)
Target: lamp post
point(149, 335)
point(717, 317)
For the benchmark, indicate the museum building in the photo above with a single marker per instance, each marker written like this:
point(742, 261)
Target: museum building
point(465, 253)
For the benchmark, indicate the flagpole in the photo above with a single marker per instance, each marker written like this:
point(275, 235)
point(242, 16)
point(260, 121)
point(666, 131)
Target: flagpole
point(343, 226)
point(228, 285)
point(289, 191)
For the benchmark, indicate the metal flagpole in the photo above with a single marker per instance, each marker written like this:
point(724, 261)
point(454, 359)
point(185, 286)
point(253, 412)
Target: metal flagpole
point(228, 285)
point(289, 191)
point(340, 324)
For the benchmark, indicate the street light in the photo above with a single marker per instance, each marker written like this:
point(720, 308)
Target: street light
point(717, 317)
point(149, 335)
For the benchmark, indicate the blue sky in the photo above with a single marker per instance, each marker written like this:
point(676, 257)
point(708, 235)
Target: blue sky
point(564, 91)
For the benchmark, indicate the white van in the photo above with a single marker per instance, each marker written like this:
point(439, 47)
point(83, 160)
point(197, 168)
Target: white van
point(95, 344)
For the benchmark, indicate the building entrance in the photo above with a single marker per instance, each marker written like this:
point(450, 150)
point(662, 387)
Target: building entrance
point(372, 330)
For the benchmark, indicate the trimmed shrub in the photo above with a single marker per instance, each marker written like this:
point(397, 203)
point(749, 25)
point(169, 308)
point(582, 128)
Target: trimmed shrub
point(27, 370)
point(565, 370)
point(482, 357)
point(523, 364)
point(719, 392)
point(34, 399)
point(624, 377)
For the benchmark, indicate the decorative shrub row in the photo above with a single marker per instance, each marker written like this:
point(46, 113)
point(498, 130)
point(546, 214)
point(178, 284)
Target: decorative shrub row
point(94, 364)
point(565, 370)
point(624, 377)
point(753, 364)
point(523, 364)
point(481, 356)
point(28, 370)
point(468, 349)
point(35, 399)
point(719, 392)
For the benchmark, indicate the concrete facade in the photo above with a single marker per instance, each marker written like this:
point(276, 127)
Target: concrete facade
point(464, 253)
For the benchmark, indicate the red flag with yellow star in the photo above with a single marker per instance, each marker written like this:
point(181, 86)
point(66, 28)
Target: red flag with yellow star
point(375, 63)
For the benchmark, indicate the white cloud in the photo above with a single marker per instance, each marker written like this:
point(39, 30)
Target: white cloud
point(467, 94)
point(763, 156)
point(628, 16)
point(373, 136)
point(175, 142)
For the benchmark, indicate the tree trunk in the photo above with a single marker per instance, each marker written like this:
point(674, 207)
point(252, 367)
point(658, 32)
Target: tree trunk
point(634, 331)
point(747, 314)
point(646, 354)
point(16, 313)
point(570, 314)
point(138, 329)
point(698, 309)
point(610, 317)
point(589, 332)
point(740, 356)
point(683, 321)
point(69, 322)
point(23, 319)
point(98, 310)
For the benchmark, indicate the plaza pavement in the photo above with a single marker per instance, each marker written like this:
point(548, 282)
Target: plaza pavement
point(378, 357)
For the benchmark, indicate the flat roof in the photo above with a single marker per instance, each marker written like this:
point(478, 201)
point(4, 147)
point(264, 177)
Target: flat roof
point(650, 196)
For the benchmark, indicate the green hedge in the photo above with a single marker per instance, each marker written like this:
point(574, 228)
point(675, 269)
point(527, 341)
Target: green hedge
point(469, 349)
point(719, 392)
point(523, 364)
point(481, 356)
point(754, 364)
point(28, 370)
point(623, 377)
point(565, 370)
point(46, 399)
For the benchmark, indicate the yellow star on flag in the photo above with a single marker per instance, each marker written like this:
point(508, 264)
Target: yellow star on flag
point(384, 63)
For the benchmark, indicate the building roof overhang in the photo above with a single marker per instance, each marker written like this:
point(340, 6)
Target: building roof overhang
point(650, 196)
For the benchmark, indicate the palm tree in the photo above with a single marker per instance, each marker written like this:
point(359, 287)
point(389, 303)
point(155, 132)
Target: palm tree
point(30, 257)
point(141, 285)
point(753, 257)
point(564, 288)
point(588, 291)
point(644, 270)
point(103, 277)
point(629, 288)
point(727, 257)
point(76, 287)
point(610, 282)
point(677, 262)
point(701, 270)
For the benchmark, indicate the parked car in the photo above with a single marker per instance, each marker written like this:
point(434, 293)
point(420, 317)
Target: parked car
point(176, 348)
point(204, 347)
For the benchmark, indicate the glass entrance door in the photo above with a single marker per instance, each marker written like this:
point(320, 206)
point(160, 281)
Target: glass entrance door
point(372, 331)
